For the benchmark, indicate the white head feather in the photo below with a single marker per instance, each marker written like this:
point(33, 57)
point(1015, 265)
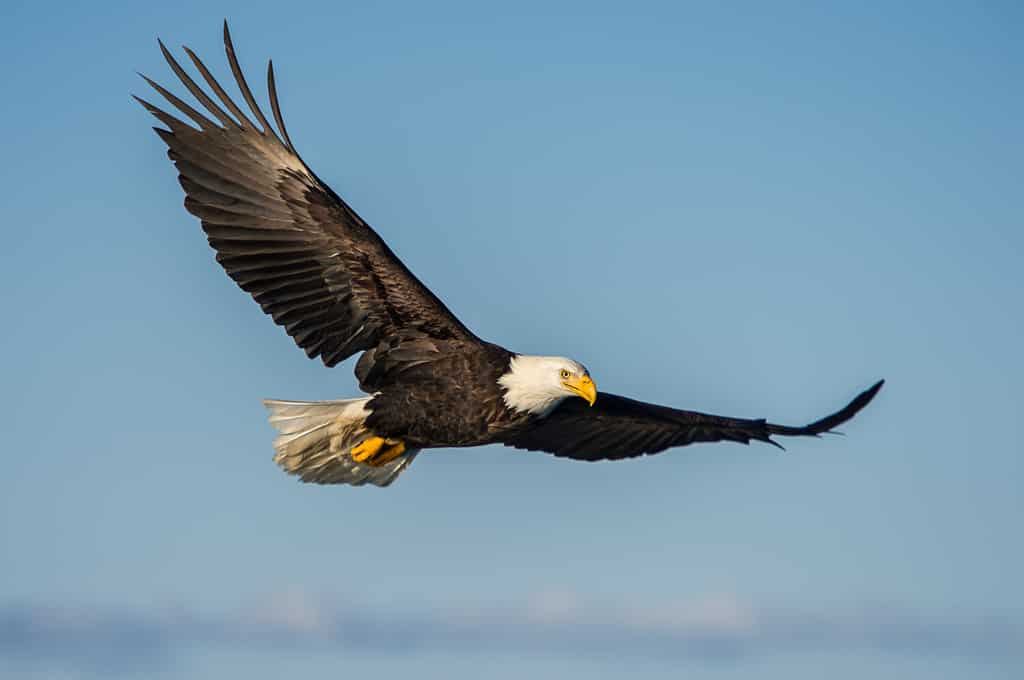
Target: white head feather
point(533, 384)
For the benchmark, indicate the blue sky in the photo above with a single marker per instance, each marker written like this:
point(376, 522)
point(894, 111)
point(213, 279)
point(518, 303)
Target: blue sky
point(774, 207)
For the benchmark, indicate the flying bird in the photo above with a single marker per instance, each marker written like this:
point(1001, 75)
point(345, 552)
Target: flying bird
point(336, 287)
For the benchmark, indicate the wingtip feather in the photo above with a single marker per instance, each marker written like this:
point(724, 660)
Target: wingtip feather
point(825, 425)
point(243, 121)
point(243, 86)
point(275, 106)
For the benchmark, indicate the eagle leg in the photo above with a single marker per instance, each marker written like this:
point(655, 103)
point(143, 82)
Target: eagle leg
point(377, 451)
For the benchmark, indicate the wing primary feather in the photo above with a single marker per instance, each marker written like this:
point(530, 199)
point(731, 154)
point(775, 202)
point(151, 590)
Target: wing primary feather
point(275, 107)
point(164, 117)
point(243, 121)
point(201, 120)
point(826, 424)
point(229, 48)
point(196, 91)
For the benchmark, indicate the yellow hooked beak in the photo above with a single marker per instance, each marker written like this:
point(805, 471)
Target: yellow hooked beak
point(582, 386)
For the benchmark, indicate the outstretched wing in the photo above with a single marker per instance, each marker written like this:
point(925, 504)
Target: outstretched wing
point(616, 427)
point(282, 234)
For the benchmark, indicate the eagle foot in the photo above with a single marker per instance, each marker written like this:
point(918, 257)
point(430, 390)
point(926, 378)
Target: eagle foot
point(377, 451)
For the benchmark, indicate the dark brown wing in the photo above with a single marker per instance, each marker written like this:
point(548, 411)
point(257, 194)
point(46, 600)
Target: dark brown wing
point(282, 234)
point(616, 427)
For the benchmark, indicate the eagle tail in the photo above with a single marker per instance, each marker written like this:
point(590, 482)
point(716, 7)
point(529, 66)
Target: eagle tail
point(316, 438)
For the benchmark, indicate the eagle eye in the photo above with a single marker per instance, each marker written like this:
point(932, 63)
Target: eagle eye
point(564, 373)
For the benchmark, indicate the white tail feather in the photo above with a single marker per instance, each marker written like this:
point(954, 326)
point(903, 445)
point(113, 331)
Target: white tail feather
point(316, 439)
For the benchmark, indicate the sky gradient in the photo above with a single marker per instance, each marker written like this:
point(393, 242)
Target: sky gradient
point(722, 207)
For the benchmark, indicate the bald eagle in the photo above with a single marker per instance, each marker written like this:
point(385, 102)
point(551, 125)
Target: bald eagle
point(335, 286)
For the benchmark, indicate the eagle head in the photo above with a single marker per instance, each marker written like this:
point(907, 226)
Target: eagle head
point(537, 385)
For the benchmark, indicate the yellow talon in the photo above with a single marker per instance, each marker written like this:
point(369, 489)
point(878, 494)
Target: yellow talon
point(377, 451)
point(367, 449)
point(389, 454)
